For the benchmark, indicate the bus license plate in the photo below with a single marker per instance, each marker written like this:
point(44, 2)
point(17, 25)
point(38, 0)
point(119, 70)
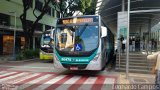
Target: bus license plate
point(73, 68)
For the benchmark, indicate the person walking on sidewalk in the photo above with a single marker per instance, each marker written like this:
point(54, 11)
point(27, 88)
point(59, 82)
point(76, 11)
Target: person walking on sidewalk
point(156, 67)
point(122, 43)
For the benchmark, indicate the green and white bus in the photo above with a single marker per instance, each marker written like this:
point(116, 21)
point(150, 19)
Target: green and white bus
point(46, 50)
point(82, 43)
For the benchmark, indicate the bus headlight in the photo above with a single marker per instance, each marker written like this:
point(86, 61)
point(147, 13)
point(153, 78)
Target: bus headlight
point(44, 46)
point(96, 57)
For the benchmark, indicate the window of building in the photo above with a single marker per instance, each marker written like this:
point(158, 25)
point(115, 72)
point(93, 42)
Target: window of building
point(4, 19)
point(31, 4)
point(47, 27)
point(53, 12)
point(49, 10)
point(22, 42)
point(39, 27)
point(38, 5)
point(7, 44)
point(29, 24)
point(58, 15)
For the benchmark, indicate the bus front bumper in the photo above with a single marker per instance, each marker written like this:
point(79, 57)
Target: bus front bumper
point(46, 56)
point(92, 65)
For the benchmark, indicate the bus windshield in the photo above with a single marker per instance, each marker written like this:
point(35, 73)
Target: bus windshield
point(77, 38)
point(45, 40)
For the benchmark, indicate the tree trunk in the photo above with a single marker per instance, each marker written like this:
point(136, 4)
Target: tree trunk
point(28, 41)
point(31, 42)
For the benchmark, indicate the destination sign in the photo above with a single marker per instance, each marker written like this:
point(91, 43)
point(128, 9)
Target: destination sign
point(77, 20)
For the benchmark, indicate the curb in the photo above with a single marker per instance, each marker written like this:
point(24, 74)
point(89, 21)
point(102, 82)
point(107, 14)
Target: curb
point(27, 60)
point(3, 61)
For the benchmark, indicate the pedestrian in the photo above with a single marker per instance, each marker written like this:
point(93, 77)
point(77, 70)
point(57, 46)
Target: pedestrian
point(133, 44)
point(130, 44)
point(155, 44)
point(122, 44)
point(150, 45)
point(136, 44)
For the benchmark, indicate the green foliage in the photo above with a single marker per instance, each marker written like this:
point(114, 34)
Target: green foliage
point(84, 4)
point(36, 52)
point(19, 56)
point(27, 54)
point(91, 10)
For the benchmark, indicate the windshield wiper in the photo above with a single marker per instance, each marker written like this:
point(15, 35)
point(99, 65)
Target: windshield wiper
point(83, 29)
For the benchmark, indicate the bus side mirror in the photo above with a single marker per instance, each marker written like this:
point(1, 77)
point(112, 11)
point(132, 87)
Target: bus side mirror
point(103, 31)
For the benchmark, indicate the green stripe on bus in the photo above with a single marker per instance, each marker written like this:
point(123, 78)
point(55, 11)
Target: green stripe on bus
point(73, 60)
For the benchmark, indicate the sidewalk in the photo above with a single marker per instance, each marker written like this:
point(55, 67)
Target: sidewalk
point(5, 58)
point(133, 78)
point(136, 78)
point(9, 58)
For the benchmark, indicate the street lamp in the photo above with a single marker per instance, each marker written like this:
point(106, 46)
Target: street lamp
point(128, 26)
point(14, 57)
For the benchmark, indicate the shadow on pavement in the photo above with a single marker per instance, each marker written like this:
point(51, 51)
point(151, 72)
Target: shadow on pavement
point(81, 72)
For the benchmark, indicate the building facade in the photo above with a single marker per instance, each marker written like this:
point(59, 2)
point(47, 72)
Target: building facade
point(10, 11)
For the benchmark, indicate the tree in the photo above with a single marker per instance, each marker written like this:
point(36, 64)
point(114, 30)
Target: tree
point(84, 4)
point(29, 30)
point(91, 9)
point(65, 7)
point(68, 7)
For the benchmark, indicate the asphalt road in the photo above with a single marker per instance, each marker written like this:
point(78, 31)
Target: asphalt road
point(39, 75)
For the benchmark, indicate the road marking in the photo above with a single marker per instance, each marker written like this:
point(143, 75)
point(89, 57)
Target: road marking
point(7, 74)
point(60, 82)
point(108, 83)
point(68, 83)
point(29, 79)
point(98, 83)
point(17, 78)
point(78, 83)
point(23, 78)
point(87, 85)
point(27, 67)
point(13, 76)
point(33, 82)
point(2, 72)
point(51, 81)
point(40, 82)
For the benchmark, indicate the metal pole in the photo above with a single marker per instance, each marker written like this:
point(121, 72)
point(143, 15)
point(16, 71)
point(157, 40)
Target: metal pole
point(127, 44)
point(123, 5)
point(14, 48)
point(120, 43)
point(149, 37)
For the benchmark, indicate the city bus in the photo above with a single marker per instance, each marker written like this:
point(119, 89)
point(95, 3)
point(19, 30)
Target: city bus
point(46, 49)
point(82, 43)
